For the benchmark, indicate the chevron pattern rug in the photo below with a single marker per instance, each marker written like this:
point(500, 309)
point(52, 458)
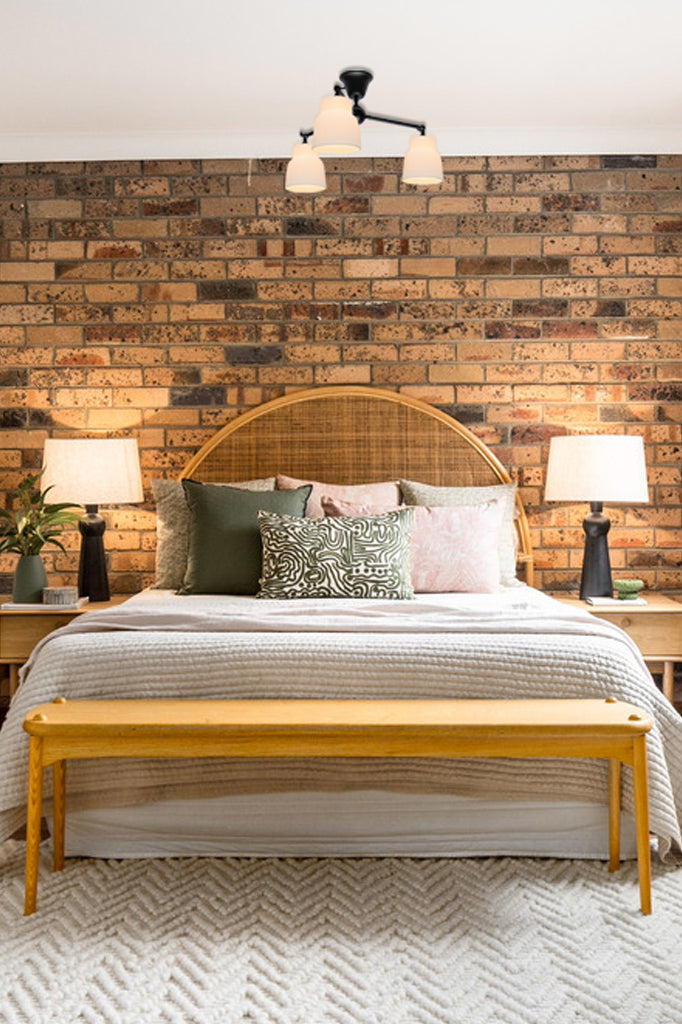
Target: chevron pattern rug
point(354, 941)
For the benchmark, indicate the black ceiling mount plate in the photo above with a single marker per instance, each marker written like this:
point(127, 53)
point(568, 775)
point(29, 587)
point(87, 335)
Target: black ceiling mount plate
point(356, 81)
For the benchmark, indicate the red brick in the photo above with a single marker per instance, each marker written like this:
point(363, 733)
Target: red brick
point(485, 393)
point(38, 271)
point(456, 373)
point(149, 228)
point(442, 395)
point(513, 204)
point(442, 288)
point(513, 245)
point(394, 374)
point(142, 186)
point(458, 245)
point(513, 288)
point(484, 351)
point(485, 265)
point(370, 268)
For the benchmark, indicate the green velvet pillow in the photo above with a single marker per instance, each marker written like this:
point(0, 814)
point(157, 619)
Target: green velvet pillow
point(225, 552)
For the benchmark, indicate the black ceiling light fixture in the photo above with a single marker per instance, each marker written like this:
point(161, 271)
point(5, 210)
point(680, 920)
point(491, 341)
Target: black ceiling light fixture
point(337, 131)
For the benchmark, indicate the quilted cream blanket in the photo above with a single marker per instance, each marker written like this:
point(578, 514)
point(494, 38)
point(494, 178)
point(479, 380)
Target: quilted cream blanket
point(517, 644)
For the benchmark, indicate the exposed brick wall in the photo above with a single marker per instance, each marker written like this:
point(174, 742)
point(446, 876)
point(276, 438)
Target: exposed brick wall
point(526, 296)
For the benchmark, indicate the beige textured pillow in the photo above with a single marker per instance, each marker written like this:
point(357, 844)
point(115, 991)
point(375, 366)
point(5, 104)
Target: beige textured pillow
point(172, 528)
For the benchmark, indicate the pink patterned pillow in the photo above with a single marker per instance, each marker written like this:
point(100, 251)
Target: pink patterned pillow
point(385, 493)
point(454, 548)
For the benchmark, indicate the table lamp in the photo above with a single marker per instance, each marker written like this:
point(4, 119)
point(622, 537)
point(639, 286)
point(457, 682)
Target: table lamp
point(92, 472)
point(596, 468)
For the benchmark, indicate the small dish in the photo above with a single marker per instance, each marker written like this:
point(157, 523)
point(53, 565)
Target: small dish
point(628, 590)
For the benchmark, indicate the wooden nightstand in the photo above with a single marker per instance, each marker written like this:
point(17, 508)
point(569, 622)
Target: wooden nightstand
point(21, 631)
point(655, 627)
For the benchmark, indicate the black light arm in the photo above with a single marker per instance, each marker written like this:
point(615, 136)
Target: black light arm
point(364, 115)
point(355, 84)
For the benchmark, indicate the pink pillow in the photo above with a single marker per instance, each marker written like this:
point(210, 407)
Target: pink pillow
point(454, 548)
point(386, 493)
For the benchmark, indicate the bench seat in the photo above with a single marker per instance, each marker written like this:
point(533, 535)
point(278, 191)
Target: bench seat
point(607, 729)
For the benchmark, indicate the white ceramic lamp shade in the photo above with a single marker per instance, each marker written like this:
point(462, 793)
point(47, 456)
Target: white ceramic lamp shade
point(92, 472)
point(336, 130)
point(305, 171)
point(422, 164)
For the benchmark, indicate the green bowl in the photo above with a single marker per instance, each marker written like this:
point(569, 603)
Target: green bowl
point(628, 590)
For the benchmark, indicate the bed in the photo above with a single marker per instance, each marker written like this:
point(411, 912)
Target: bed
point(515, 642)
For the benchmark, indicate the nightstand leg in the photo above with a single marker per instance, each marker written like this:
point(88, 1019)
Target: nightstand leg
point(13, 678)
point(669, 680)
point(614, 815)
point(58, 813)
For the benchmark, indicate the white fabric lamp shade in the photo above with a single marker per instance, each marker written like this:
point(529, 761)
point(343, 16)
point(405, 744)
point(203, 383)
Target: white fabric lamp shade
point(92, 471)
point(305, 171)
point(336, 130)
point(422, 164)
point(597, 468)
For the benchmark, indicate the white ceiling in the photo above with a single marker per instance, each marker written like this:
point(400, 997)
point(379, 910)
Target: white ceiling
point(85, 79)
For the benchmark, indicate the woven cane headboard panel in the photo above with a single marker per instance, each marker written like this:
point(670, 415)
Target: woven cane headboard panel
point(347, 435)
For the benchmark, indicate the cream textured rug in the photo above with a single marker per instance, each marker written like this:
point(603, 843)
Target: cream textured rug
point(366, 941)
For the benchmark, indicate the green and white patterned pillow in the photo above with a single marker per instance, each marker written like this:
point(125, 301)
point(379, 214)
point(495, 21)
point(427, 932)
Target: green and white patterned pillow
point(366, 556)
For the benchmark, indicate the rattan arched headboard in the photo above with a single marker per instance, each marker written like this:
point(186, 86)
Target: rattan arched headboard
point(347, 435)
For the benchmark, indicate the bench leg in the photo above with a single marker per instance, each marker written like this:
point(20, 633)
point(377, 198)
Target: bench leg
point(614, 814)
point(35, 803)
point(642, 821)
point(58, 813)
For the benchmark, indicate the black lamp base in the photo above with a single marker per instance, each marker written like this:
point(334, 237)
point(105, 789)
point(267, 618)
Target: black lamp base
point(596, 575)
point(92, 570)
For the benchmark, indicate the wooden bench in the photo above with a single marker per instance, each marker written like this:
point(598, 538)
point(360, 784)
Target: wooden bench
point(608, 729)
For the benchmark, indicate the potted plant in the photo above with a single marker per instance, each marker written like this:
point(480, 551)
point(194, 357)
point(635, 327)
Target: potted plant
point(26, 529)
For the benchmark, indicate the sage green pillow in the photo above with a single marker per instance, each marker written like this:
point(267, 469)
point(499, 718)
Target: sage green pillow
point(225, 552)
point(362, 556)
point(172, 527)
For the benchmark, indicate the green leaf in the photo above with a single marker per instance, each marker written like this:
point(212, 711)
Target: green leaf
point(32, 523)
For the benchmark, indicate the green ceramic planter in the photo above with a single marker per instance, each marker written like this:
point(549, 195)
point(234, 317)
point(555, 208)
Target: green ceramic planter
point(628, 590)
point(29, 579)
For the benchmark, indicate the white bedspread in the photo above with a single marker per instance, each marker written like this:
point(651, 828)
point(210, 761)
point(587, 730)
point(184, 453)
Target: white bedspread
point(517, 644)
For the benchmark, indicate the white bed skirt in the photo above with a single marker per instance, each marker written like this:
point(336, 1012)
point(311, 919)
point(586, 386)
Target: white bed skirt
point(367, 823)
